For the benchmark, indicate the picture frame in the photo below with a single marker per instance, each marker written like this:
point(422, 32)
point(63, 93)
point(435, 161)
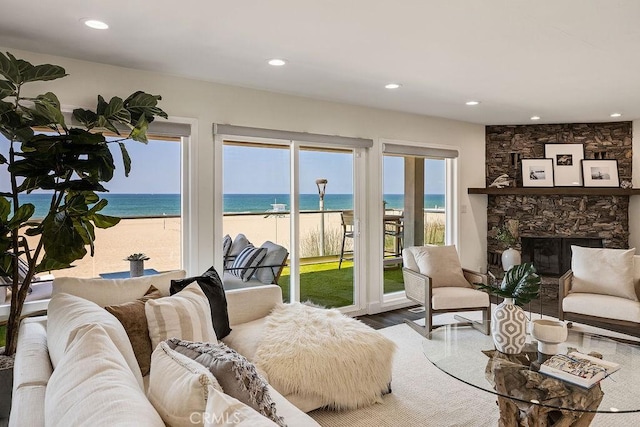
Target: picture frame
point(567, 166)
point(537, 172)
point(600, 173)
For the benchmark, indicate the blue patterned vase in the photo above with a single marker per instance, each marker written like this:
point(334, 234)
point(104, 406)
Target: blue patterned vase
point(509, 327)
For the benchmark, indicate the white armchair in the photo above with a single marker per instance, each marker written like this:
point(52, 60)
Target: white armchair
point(603, 285)
point(434, 278)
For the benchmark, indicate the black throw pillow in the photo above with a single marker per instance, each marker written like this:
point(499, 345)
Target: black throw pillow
point(211, 285)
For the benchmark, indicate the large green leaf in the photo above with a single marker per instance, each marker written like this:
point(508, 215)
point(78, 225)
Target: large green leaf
point(5, 209)
point(521, 282)
point(86, 118)
point(141, 103)
point(43, 72)
point(48, 106)
point(104, 221)
point(139, 132)
point(126, 160)
point(9, 68)
point(62, 242)
point(49, 264)
point(22, 215)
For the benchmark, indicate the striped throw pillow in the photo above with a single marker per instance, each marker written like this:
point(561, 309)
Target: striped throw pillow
point(185, 315)
point(246, 263)
point(226, 246)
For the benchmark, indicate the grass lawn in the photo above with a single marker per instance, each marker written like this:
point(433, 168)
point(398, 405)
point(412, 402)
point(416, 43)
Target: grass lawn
point(325, 285)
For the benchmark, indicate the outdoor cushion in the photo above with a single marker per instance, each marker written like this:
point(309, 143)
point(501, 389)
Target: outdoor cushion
point(246, 263)
point(276, 256)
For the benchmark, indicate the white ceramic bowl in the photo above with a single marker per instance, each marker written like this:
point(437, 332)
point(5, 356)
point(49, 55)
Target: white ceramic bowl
point(548, 333)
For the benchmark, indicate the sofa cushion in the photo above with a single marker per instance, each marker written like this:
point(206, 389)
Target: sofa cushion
point(212, 287)
point(442, 265)
point(603, 271)
point(185, 315)
point(245, 337)
point(605, 306)
point(250, 304)
point(237, 245)
point(67, 313)
point(246, 263)
point(237, 376)
point(114, 291)
point(179, 387)
point(276, 255)
point(93, 385)
point(131, 315)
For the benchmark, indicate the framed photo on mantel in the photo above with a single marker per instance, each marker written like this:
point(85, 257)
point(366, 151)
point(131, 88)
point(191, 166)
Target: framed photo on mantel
point(567, 169)
point(537, 172)
point(600, 173)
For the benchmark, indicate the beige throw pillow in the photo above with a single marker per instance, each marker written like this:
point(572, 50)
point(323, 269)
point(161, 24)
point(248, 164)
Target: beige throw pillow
point(133, 318)
point(603, 271)
point(185, 315)
point(442, 264)
point(179, 387)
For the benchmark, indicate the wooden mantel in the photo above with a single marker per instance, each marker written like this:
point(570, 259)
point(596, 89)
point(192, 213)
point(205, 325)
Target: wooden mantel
point(556, 191)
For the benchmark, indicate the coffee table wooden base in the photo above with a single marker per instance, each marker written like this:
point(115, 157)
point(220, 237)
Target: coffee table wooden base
point(510, 376)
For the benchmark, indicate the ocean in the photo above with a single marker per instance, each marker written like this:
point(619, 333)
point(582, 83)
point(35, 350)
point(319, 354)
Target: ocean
point(146, 205)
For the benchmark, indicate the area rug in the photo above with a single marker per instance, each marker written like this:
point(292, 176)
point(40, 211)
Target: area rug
point(422, 395)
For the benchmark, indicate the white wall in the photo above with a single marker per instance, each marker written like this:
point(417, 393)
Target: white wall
point(215, 103)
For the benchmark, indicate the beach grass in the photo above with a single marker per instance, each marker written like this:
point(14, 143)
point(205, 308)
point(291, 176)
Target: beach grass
point(324, 284)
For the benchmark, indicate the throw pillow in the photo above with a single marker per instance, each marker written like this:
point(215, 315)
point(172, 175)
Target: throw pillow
point(237, 376)
point(66, 314)
point(247, 262)
point(442, 264)
point(221, 406)
point(226, 246)
point(92, 385)
point(275, 256)
point(238, 244)
point(603, 271)
point(179, 387)
point(131, 315)
point(185, 315)
point(212, 287)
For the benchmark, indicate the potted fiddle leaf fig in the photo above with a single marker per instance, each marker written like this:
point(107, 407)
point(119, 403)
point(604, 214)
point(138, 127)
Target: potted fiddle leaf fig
point(68, 159)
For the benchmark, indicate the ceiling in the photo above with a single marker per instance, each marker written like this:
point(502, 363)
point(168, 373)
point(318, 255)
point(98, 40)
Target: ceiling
point(565, 61)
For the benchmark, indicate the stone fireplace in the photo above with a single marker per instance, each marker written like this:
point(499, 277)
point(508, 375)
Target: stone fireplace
point(602, 219)
point(552, 255)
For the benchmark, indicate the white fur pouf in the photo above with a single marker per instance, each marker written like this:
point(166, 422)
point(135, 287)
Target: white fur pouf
point(321, 353)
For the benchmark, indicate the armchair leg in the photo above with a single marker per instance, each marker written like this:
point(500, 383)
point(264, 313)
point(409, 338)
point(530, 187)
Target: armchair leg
point(422, 330)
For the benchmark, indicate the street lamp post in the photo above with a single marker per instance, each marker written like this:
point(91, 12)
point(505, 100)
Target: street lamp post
point(321, 183)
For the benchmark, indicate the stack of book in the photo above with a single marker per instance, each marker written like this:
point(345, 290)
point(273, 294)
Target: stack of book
point(579, 369)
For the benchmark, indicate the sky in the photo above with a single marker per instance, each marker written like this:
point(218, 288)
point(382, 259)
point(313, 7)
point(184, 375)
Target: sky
point(241, 164)
point(156, 169)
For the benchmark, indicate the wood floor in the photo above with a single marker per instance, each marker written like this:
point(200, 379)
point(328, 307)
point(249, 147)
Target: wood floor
point(548, 307)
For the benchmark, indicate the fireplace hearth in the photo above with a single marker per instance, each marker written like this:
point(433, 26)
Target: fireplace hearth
point(552, 255)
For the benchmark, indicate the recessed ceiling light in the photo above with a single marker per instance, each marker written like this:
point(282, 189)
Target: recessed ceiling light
point(472, 102)
point(616, 115)
point(277, 62)
point(535, 117)
point(392, 86)
point(95, 24)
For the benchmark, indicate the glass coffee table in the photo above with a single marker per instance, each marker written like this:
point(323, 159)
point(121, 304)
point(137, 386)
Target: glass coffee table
point(526, 397)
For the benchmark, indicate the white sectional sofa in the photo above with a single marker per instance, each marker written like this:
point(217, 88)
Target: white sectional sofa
point(34, 390)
